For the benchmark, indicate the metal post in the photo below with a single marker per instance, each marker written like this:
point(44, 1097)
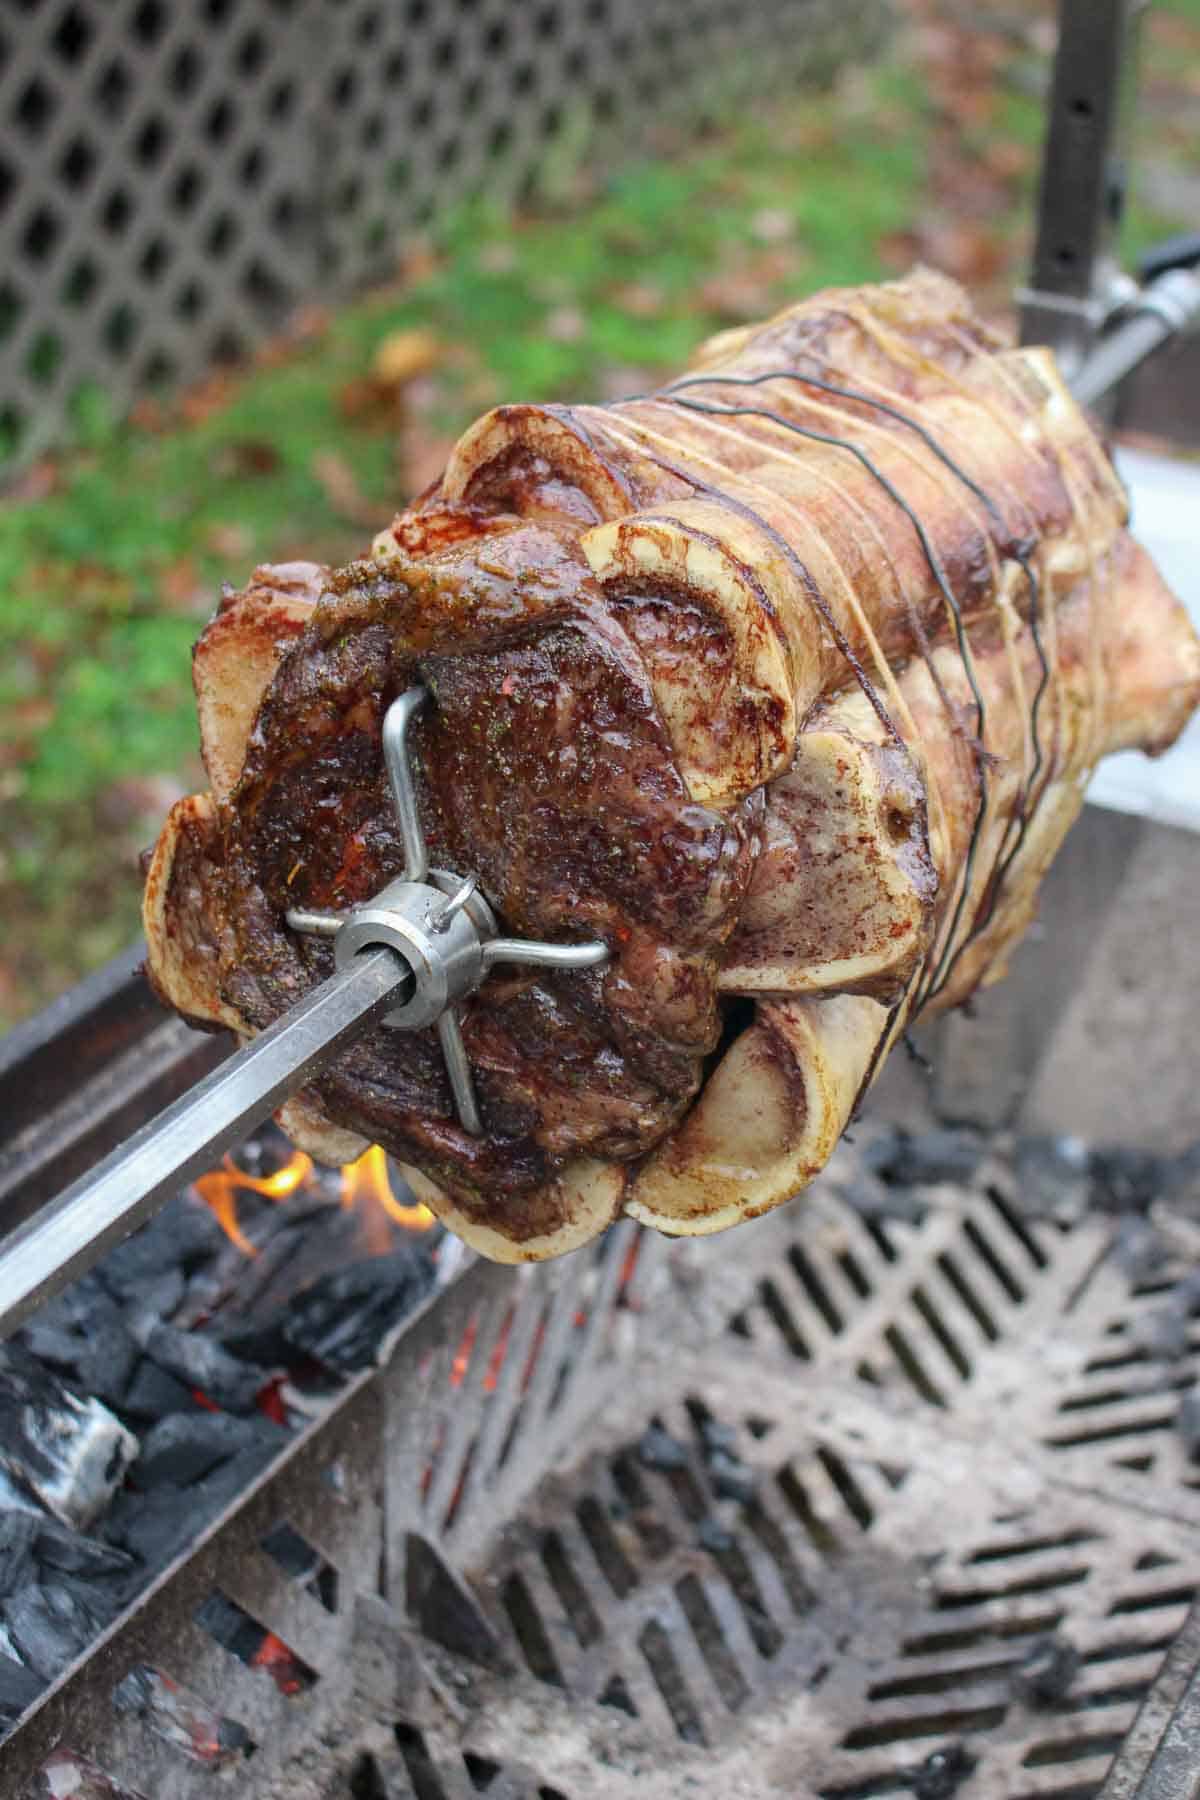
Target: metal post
point(1083, 178)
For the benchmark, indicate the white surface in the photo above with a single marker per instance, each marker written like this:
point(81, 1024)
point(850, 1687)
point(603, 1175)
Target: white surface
point(1166, 519)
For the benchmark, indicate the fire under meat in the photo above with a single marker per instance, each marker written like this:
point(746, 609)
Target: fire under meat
point(785, 682)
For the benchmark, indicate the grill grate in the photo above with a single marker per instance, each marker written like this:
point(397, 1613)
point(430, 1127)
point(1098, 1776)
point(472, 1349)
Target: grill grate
point(923, 1511)
point(685, 1523)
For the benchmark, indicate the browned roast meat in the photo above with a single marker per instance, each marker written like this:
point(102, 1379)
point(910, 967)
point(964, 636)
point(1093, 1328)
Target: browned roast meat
point(784, 682)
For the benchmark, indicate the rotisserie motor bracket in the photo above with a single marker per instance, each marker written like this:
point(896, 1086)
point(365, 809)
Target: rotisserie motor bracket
point(783, 683)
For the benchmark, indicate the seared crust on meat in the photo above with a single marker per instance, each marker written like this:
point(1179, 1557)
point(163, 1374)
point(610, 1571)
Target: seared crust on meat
point(785, 682)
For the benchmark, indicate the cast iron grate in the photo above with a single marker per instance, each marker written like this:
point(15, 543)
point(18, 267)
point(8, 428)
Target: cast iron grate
point(877, 1596)
point(681, 1522)
point(865, 1565)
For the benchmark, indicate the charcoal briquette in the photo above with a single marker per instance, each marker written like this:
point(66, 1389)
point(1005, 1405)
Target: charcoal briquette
point(49, 1626)
point(1187, 1423)
point(69, 1451)
point(874, 1198)
point(943, 1772)
point(202, 1363)
point(19, 1688)
point(18, 1535)
point(183, 1235)
point(712, 1534)
point(152, 1527)
point(152, 1392)
point(877, 1150)
point(106, 1365)
point(657, 1449)
point(342, 1317)
point(71, 1553)
point(84, 1306)
point(162, 1295)
point(1181, 1187)
point(157, 1525)
point(1127, 1179)
point(1053, 1179)
point(1045, 1674)
point(1163, 1331)
point(59, 1345)
point(185, 1446)
point(946, 1153)
point(731, 1478)
point(716, 1435)
point(1186, 1294)
point(1139, 1251)
point(97, 1358)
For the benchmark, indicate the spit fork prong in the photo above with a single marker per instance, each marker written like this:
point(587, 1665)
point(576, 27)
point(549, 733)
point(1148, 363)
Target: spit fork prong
point(396, 721)
point(439, 923)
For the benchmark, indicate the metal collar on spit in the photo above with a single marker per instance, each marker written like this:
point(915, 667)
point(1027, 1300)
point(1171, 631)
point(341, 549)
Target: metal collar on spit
point(438, 922)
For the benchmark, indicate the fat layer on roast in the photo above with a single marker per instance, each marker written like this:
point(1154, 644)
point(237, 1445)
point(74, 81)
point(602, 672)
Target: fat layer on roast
point(785, 682)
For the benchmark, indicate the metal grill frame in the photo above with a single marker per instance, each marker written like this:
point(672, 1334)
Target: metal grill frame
point(176, 180)
point(503, 1402)
point(385, 1464)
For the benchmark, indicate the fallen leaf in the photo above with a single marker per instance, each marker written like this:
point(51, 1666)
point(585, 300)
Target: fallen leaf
point(968, 252)
point(1173, 33)
point(422, 456)
point(37, 482)
point(150, 414)
point(747, 290)
point(303, 327)
point(497, 259)
point(566, 325)
point(366, 402)
point(617, 381)
point(138, 799)
point(29, 716)
point(642, 299)
point(402, 355)
point(231, 542)
point(772, 225)
point(418, 261)
point(1007, 159)
point(341, 488)
point(247, 456)
point(182, 588)
point(206, 397)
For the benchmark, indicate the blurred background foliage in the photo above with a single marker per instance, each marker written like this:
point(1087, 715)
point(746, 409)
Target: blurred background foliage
point(112, 552)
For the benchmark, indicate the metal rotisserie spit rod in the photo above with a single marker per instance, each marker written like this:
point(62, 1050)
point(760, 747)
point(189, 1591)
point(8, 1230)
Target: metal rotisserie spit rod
point(405, 958)
point(1164, 310)
point(184, 1141)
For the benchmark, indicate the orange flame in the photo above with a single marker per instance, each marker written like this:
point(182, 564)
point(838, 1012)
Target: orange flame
point(363, 1181)
point(219, 1187)
point(367, 1179)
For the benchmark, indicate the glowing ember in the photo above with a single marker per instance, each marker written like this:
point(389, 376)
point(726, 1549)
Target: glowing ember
point(285, 1669)
point(462, 1357)
point(365, 1181)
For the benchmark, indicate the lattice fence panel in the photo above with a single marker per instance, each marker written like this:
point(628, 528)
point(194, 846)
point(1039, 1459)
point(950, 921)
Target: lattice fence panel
point(174, 179)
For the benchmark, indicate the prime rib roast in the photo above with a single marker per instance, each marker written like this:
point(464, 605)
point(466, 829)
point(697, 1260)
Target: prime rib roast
point(785, 682)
